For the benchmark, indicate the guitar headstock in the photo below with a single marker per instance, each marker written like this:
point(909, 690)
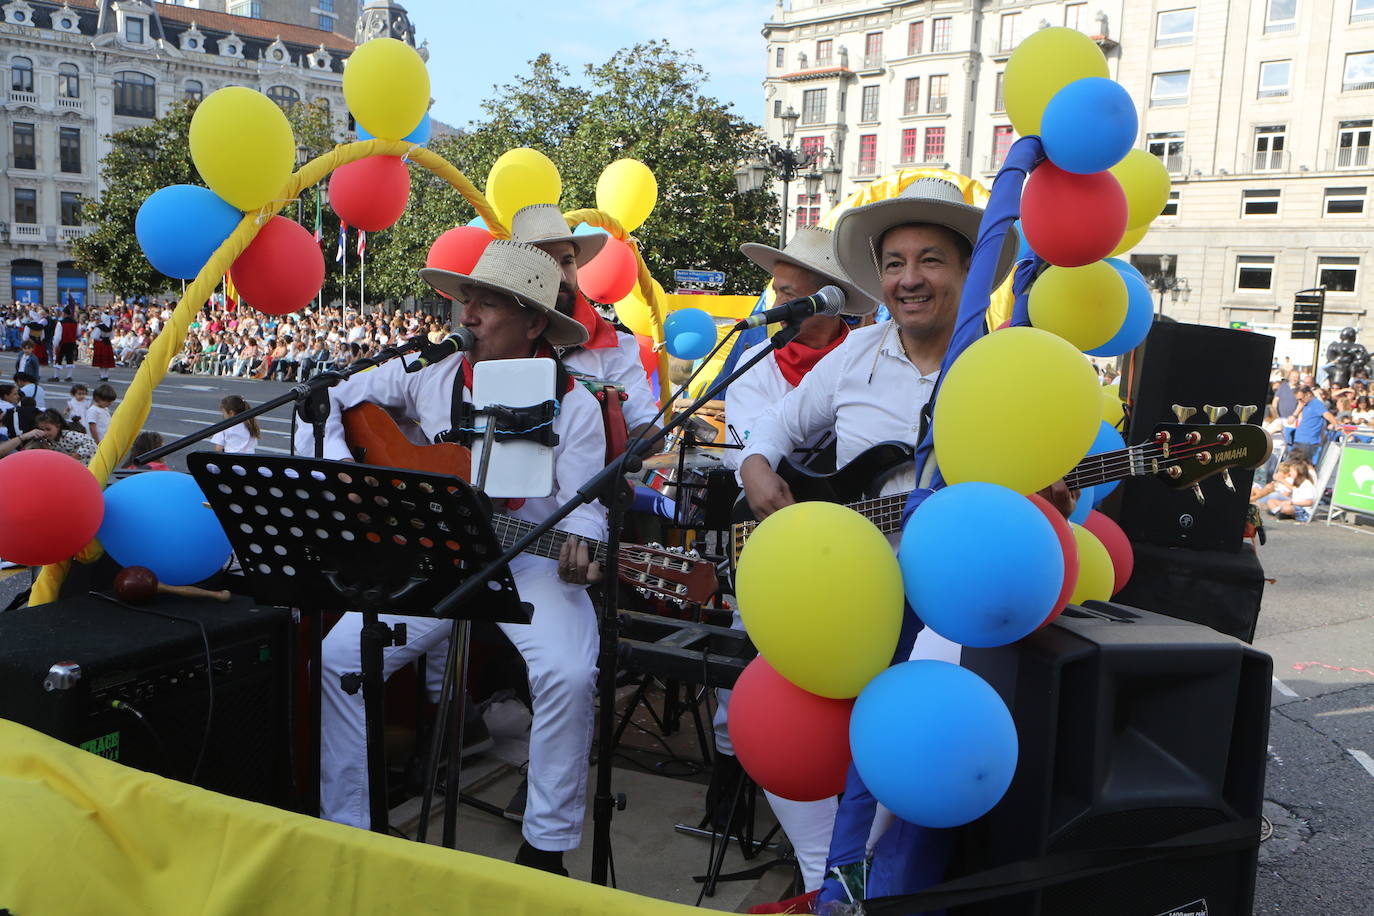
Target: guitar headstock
point(1182, 454)
point(671, 573)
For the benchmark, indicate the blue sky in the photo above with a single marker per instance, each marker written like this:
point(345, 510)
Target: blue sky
point(473, 46)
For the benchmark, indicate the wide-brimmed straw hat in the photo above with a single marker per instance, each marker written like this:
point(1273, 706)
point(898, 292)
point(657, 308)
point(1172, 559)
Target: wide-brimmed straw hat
point(814, 250)
point(521, 271)
point(925, 200)
point(543, 224)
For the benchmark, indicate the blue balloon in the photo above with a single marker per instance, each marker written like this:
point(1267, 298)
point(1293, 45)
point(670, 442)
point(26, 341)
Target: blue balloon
point(158, 519)
point(977, 581)
point(689, 333)
point(420, 135)
point(1126, 268)
point(1023, 248)
point(478, 222)
point(589, 229)
point(180, 226)
point(1089, 125)
point(933, 742)
point(1086, 503)
point(1140, 314)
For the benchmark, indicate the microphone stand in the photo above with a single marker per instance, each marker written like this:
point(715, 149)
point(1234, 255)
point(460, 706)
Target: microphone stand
point(604, 485)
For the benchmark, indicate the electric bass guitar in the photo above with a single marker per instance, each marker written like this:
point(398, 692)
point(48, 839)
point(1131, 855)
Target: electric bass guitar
point(1180, 455)
point(369, 429)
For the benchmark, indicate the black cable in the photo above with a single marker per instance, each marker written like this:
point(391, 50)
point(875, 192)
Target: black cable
point(209, 670)
point(123, 706)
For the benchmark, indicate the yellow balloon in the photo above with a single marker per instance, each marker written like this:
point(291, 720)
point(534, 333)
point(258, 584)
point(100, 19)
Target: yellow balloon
point(1020, 407)
point(1084, 305)
point(1130, 240)
point(820, 593)
point(1112, 408)
point(628, 191)
point(1146, 183)
point(386, 87)
point(522, 177)
point(1096, 575)
point(633, 312)
point(1045, 62)
point(242, 146)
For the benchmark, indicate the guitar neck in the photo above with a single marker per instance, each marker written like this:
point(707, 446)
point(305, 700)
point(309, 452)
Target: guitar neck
point(510, 529)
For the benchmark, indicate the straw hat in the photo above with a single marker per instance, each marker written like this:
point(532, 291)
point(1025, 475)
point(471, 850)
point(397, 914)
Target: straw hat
point(543, 224)
point(521, 271)
point(814, 250)
point(925, 200)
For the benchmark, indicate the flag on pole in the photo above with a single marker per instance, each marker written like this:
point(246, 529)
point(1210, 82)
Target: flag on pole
point(362, 242)
point(343, 237)
point(319, 224)
point(231, 295)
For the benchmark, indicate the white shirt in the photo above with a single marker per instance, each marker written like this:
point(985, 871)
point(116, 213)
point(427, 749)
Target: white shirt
point(748, 400)
point(237, 440)
point(426, 396)
point(866, 390)
point(76, 410)
point(619, 364)
point(35, 391)
point(100, 417)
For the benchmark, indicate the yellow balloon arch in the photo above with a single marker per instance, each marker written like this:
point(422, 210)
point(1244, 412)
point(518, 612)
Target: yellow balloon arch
point(133, 410)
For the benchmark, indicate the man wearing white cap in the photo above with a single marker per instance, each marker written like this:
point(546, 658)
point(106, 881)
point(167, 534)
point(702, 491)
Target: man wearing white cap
point(606, 353)
point(507, 302)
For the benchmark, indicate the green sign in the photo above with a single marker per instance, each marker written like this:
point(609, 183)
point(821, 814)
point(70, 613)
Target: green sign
point(1354, 487)
point(105, 746)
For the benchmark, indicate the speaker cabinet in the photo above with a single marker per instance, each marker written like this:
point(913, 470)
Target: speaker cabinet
point(1134, 728)
point(1192, 365)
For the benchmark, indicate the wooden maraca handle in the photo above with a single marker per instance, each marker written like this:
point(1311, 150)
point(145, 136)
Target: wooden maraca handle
point(193, 591)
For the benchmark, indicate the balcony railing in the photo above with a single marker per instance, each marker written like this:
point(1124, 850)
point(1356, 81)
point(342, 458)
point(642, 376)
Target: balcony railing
point(1277, 160)
point(30, 98)
point(1352, 157)
point(66, 104)
point(67, 233)
point(867, 167)
point(27, 232)
point(873, 61)
point(938, 105)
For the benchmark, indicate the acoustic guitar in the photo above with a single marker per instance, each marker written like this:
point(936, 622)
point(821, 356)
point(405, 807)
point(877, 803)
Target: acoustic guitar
point(370, 430)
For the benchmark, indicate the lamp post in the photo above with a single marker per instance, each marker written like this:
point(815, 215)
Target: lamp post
point(789, 164)
point(1164, 282)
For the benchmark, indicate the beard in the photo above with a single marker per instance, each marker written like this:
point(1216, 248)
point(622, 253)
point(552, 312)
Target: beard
point(567, 298)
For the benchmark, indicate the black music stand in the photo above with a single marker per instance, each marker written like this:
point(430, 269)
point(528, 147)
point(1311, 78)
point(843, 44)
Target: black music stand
point(328, 536)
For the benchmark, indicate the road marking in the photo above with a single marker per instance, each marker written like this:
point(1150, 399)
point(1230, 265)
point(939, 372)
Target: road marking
point(1353, 528)
point(215, 413)
point(1284, 689)
point(1362, 759)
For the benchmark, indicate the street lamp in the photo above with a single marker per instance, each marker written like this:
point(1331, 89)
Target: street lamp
point(1164, 282)
point(789, 164)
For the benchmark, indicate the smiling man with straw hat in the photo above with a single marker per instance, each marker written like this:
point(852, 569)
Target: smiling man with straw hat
point(509, 303)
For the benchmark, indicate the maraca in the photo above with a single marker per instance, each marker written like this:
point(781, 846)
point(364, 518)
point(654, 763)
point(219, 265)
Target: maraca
point(139, 585)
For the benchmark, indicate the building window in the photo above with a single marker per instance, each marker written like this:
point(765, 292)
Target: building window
point(71, 208)
point(326, 5)
point(1073, 15)
point(1170, 88)
point(285, 97)
point(25, 205)
point(21, 75)
point(1259, 203)
point(1006, 37)
point(824, 47)
point(910, 143)
point(997, 103)
point(916, 36)
point(251, 8)
point(938, 100)
point(1170, 207)
point(1359, 71)
point(1168, 148)
point(194, 90)
point(940, 34)
point(135, 95)
point(1361, 10)
point(911, 96)
point(1281, 16)
point(69, 149)
point(1175, 27)
point(1254, 273)
point(68, 81)
point(808, 210)
point(1269, 143)
point(868, 154)
point(133, 30)
point(868, 110)
point(811, 147)
point(1352, 144)
point(25, 147)
point(326, 23)
point(1345, 201)
point(1273, 79)
point(813, 106)
point(1001, 143)
point(1338, 274)
point(935, 144)
point(777, 108)
point(777, 62)
point(873, 50)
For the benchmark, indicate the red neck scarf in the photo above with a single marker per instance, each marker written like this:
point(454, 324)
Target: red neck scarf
point(796, 359)
point(600, 332)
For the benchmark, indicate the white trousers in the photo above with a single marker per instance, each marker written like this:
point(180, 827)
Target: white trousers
point(559, 647)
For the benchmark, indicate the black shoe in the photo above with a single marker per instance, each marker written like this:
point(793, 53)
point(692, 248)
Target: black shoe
point(541, 859)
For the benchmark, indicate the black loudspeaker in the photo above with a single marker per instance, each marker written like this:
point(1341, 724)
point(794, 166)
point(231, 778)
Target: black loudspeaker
point(66, 668)
point(1134, 729)
point(1192, 365)
point(1216, 588)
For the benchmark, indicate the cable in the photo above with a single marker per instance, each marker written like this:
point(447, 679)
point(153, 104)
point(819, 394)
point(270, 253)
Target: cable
point(122, 706)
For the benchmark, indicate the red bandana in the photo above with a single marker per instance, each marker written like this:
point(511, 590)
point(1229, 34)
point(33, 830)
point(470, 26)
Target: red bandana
point(796, 359)
point(601, 333)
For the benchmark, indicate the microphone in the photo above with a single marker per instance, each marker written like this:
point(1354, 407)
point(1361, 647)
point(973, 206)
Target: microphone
point(430, 354)
point(826, 302)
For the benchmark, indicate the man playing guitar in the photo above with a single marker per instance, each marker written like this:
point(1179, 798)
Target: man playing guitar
point(507, 302)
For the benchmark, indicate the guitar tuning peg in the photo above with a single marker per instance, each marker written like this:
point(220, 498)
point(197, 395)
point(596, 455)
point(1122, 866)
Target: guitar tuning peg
point(1197, 491)
point(1226, 479)
point(1184, 413)
point(1245, 411)
point(1213, 413)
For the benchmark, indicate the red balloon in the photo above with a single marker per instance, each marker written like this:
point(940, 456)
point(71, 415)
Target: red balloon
point(1072, 220)
point(791, 742)
point(52, 507)
point(458, 250)
point(1066, 544)
point(281, 270)
point(370, 194)
point(611, 275)
point(1117, 544)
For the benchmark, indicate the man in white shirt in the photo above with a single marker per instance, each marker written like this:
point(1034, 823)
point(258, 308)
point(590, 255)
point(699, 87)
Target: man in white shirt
point(507, 302)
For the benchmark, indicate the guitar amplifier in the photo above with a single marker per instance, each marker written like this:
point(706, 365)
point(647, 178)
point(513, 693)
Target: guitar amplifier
point(202, 684)
point(1192, 365)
